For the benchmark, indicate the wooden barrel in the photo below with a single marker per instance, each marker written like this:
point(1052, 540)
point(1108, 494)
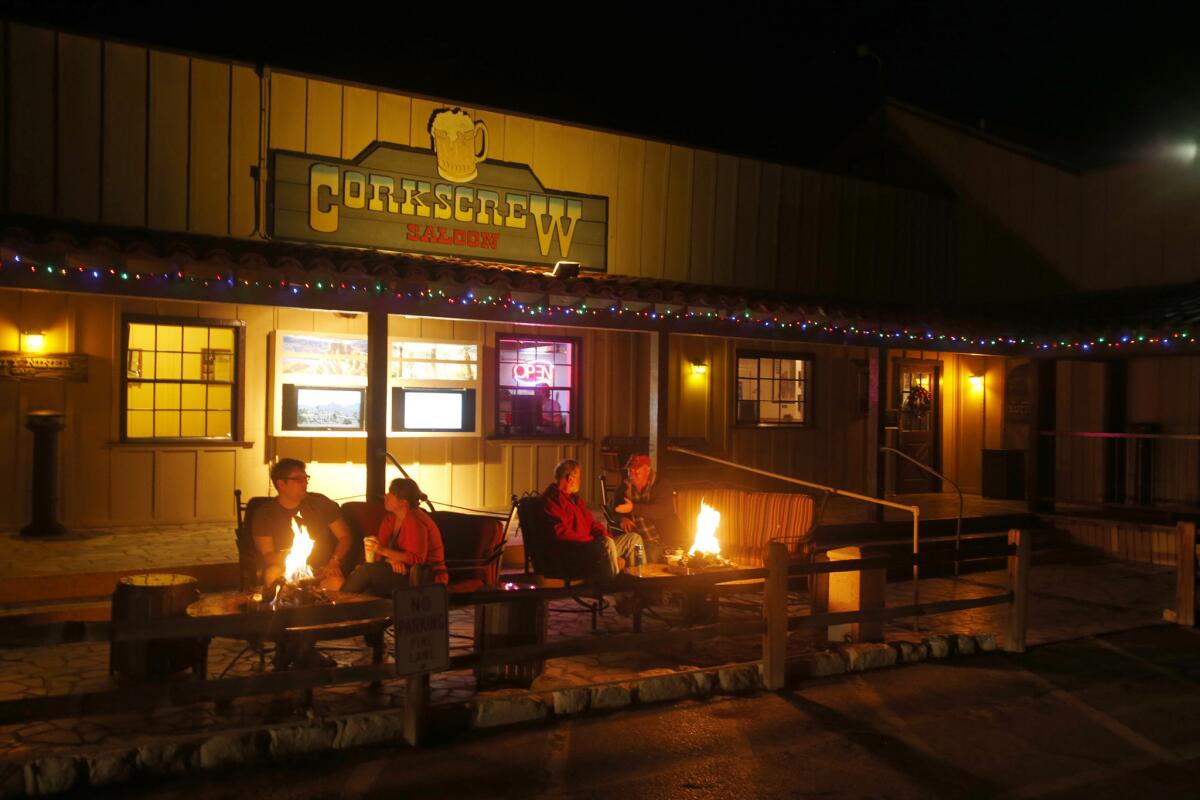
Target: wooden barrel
point(144, 597)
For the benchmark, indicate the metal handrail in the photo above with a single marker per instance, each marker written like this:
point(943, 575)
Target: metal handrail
point(936, 474)
point(398, 466)
point(914, 510)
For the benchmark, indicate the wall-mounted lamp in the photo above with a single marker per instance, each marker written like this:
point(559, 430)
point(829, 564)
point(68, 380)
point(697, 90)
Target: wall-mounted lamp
point(976, 382)
point(699, 368)
point(33, 341)
point(565, 269)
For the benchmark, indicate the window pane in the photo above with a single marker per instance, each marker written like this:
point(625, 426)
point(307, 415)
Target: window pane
point(139, 364)
point(139, 424)
point(166, 424)
point(747, 368)
point(140, 395)
point(170, 337)
point(191, 423)
point(220, 338)
point(220, 423)
point(194, 396)
point(141, 337)
point(191, 366)
point(217, 365)
point(220, 398)
point(166, 396)
point(195, 339)
point(169, 366)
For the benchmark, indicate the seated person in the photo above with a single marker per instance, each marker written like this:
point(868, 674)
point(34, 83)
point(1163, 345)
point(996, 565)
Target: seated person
point(271, 527)
point(407, 536)
point(550, 414)
point(644, 506)
point(573, 522)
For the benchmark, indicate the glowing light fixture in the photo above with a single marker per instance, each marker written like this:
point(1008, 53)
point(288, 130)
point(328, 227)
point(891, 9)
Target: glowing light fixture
point(976, 382)
point(33, 342)
point(699, 368)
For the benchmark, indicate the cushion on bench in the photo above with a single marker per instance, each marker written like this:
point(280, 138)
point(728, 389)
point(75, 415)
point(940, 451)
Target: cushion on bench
point(749, 520)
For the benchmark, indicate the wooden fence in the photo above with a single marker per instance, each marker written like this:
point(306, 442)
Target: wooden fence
point(780, 574)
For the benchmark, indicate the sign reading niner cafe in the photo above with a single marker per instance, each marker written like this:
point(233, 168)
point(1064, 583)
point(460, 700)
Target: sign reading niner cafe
point(447, 200)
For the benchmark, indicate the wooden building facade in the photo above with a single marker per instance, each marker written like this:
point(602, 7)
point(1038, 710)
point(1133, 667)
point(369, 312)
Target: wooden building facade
point(101, 134)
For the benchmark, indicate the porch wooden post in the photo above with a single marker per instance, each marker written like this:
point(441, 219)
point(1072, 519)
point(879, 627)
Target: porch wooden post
point(377, 399)
point(660, 389)
point(1039, 458)
point(416, 698)
point(1116, 383)
point(1185, 575)
point(877, 360)
point(775, 611)
point(1018, 584)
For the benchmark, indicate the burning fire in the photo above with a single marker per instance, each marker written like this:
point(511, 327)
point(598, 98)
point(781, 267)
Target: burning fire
point(296, 566)
point(707, 522)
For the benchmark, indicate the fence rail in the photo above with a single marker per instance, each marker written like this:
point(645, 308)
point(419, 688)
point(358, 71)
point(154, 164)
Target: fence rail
point(773, 627)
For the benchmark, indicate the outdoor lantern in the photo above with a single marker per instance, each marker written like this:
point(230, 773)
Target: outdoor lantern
point(33, 342)
point(976, 382)
point(699, 368)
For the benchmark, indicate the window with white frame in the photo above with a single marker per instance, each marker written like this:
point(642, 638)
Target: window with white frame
point(434, 387)
point(773, 388)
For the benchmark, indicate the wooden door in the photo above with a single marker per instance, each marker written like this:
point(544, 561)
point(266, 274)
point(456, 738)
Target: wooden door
point(915, 391)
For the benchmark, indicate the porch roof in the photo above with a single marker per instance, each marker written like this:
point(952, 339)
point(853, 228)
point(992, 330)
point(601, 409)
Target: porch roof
point(70, 256)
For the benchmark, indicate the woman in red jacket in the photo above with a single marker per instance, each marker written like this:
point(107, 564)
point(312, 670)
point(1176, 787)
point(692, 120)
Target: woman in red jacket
point(407, 536)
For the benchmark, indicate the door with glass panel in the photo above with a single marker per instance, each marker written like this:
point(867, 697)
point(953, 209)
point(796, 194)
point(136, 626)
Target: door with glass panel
point(916, 398)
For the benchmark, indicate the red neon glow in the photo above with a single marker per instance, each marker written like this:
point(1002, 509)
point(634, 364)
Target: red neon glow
point(531, 373)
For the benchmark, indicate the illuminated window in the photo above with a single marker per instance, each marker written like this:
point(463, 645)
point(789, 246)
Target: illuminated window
point(434, 361)
point(772, 389)
point(181, 379)
point(536, 386)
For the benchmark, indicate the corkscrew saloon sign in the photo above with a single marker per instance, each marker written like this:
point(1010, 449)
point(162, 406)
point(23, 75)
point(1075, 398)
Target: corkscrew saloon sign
point(448, 200)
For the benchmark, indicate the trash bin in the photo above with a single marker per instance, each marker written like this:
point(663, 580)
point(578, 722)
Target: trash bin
point(1004, 474)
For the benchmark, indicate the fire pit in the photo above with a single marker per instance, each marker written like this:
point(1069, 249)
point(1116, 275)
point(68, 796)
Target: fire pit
point(296, 587)
point(705, 553)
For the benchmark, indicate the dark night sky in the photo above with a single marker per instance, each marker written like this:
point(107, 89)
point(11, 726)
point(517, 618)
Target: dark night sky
point(1088, 83)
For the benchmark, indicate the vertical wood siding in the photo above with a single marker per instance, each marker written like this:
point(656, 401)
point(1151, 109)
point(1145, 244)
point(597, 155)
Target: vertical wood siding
point(133, 136)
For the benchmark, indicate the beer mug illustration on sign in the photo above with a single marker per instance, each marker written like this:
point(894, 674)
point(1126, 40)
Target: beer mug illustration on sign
point(459, 142)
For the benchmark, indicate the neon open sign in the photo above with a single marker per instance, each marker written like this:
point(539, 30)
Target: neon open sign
point(531, 373)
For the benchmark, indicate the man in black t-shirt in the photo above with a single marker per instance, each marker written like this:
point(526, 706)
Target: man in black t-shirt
point(271, 527)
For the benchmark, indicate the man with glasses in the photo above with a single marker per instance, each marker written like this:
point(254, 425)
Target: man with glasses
point(271, 526)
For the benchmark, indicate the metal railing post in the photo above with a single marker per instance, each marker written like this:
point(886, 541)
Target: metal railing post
point(1018, 584)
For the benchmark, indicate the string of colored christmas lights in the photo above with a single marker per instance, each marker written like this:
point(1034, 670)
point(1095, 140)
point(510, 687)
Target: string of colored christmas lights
point(743, 319)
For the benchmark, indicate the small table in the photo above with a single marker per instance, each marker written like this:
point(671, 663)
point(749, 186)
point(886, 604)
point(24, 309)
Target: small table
point(697, 589)
point(229, 603)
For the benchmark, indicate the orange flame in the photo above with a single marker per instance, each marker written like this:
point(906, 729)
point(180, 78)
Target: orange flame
point(296, 566)
point(707, 522)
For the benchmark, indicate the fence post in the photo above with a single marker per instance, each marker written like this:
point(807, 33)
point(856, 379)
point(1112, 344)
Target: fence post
point(775, 611)
point(416, 699)
point(1185, 575)
point(1018, 584)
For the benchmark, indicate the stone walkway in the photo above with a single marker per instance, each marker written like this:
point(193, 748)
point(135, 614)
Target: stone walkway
point(149, 547)
point(1066, 601)
point(117, 550)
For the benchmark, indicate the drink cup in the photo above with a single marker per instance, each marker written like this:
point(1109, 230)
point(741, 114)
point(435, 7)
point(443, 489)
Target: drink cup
point(370, 543)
